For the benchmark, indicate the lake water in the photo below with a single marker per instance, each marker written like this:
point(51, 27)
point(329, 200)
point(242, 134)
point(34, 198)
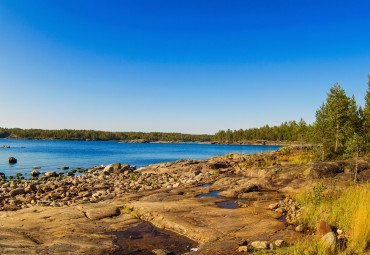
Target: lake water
point(50, 155)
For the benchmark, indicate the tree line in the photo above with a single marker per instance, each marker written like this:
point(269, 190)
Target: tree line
point(341, 127)
point(71, 134)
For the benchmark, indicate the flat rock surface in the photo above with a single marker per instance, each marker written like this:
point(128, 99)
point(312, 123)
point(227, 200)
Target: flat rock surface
point(78, 215)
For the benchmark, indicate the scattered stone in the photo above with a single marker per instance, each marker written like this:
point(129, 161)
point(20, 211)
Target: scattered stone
point(35, 173)
point(12, 160)
point(65, 167)
point(260, 244)
point(99, 213)
point(323, 228)
point(51, 174)
point(299, 228)
point(161, 252)
point(279, 243)
point(329, 240)
point(112, 167)
point(280, 210)
point(273, 206)
point(16, 192)
point(243, 248)
point(272, 246)
point(36, 167)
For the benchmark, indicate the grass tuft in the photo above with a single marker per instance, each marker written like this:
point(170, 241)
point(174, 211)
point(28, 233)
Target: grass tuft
point(347, 209)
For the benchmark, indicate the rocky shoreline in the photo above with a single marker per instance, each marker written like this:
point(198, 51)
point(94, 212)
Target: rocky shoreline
point(43, 216)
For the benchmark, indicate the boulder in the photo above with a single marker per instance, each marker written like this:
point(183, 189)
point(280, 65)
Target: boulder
point(12, 160)
point(111, 168)
point(329, 241)
point(100, 213)
point(122, 169)
point(323, 169)
point(243, 248)
point(323, 228)
point(218, 165)
point(16, 192)
point(35, 173)
point(51, 174)
point(364, 176)
point(299, 228)
point(2, 175)
point(279, 243)
point(260, 244)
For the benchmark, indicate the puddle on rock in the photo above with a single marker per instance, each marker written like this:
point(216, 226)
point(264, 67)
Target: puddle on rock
point(145, 237)
point(282, 218)
point(230, 204)
point(203, 186)
point(210, 194)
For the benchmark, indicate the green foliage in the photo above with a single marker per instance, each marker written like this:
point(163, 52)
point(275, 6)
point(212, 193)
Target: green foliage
point(348, 210)
point(127, 209)
point(132, 176)
point(215, 172)
point(287, 131)
point(355, 144)
point(285, 150)
point(71, 134)
point(136, 215)
point(365, 129)
point(318, 193)
point(337, 120)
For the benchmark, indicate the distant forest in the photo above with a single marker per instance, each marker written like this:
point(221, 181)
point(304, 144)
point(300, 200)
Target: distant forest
point(341, 127)
point(70, 134)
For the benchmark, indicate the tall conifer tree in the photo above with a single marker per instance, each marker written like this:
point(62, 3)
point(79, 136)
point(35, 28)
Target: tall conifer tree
point(366, 117)
point(337, 104)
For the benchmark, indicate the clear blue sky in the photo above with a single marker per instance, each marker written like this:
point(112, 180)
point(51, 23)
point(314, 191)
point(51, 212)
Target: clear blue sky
point(177, 66)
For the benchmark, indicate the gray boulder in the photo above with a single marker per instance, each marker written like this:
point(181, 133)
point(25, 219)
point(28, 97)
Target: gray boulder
point(329, 241)
point(111, 168)
point(260, 244)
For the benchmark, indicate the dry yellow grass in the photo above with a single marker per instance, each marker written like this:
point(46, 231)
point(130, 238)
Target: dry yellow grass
point(348, 210)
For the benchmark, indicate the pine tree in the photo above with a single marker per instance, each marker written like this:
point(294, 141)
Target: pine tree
point(366, 118)
point(337, 104)
point(355, 145)
point(322, 129)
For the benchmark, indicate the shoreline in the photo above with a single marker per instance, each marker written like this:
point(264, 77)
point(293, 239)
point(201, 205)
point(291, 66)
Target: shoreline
point(256, 142)
point(168, 195)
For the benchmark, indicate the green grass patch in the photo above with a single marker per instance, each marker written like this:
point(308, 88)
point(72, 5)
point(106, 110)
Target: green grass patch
point(347, 209)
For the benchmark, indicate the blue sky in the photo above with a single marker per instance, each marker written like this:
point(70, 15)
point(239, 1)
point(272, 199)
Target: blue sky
point(177, 66)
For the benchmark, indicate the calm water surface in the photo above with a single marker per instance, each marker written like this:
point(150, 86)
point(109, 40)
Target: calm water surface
point(50, 155)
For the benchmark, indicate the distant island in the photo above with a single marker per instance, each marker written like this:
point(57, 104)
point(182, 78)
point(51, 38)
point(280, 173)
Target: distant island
point(341, 128)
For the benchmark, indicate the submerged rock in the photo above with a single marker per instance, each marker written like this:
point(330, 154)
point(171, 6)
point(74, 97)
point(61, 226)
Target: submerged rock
point(12, 160)
point(35, 173)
